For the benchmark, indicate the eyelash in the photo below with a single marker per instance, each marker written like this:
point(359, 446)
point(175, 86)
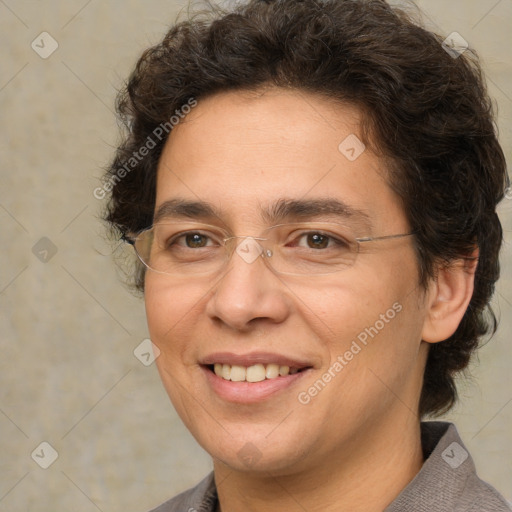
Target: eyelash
point(338, 241)
point(182, 236)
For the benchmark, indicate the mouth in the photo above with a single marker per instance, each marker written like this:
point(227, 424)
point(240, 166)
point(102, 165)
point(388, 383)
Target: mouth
point(251, 378)
point(254, 373)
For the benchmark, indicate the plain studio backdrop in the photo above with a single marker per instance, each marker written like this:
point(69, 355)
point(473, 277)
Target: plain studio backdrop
point(71, 331)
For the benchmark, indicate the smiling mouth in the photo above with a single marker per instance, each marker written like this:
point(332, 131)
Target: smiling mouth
point(254, 373)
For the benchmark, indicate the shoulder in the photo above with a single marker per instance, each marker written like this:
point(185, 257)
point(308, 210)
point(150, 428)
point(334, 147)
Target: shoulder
point(471, 494)
point(448, 481)
point(201, 498)
point(479, 496)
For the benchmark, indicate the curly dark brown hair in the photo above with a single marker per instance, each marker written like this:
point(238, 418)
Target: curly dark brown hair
point(425, 110)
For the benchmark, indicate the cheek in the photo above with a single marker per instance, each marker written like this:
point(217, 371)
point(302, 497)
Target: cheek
point(371, 341)
point(375, 320)
point(342, 308)
point(169, 311)
point(158, 302)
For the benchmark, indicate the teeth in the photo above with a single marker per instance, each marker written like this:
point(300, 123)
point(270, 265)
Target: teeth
point(254, 373)
point(237, 373)
point(272, 371)
point(226, 371)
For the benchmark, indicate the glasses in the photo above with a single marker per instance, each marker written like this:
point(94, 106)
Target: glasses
point(303, 248)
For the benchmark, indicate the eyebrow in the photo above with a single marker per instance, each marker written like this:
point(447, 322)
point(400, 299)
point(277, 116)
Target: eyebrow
point(279, 211)
point(184, 208)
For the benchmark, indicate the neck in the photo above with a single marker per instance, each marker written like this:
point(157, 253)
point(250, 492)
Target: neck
point(365, 476)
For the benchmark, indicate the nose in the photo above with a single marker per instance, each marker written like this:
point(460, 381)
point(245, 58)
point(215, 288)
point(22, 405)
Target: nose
point(249, 293)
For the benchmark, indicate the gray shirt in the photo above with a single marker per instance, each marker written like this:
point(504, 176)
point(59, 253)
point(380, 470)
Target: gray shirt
point(447, 481)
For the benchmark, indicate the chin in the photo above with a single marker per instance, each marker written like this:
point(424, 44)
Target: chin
point(254, 451)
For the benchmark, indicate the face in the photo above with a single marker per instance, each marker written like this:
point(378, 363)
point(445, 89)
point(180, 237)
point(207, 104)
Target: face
point(351, 338)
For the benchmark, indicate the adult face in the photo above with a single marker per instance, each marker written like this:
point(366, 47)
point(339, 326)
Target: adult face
point(243, 153)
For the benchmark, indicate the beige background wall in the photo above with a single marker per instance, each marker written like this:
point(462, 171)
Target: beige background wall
point(69, 327)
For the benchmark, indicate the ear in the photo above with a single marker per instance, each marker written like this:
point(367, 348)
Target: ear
point(448, 298)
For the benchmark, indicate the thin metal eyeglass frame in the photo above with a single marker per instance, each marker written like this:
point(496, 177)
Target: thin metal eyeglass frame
point(265, 254)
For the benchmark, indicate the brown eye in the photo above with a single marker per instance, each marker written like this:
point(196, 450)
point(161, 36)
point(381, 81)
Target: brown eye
point(317, 241)
point(195, 240)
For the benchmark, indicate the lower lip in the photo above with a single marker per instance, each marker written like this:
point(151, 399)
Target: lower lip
point(250, 392)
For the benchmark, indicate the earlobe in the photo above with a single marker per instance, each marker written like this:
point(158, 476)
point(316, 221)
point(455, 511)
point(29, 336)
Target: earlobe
point(448, 298)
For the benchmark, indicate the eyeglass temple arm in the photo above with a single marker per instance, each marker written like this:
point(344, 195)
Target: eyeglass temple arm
point(127, 239)
point(385, 237)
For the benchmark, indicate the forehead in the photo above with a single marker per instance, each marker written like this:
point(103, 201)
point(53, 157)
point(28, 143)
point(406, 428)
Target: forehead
point(246, 151)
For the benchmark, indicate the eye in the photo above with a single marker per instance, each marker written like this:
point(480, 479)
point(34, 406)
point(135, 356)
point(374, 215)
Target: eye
point(191, 240)
point(316, 240)
point(319, 240)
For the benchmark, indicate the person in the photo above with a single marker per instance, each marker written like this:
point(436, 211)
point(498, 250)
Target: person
point(310, 187)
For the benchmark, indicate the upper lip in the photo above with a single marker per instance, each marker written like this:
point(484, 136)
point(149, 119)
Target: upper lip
point(253, 358)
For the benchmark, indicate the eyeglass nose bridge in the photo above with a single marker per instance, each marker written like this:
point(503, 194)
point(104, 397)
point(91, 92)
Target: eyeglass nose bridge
point(248, 249)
